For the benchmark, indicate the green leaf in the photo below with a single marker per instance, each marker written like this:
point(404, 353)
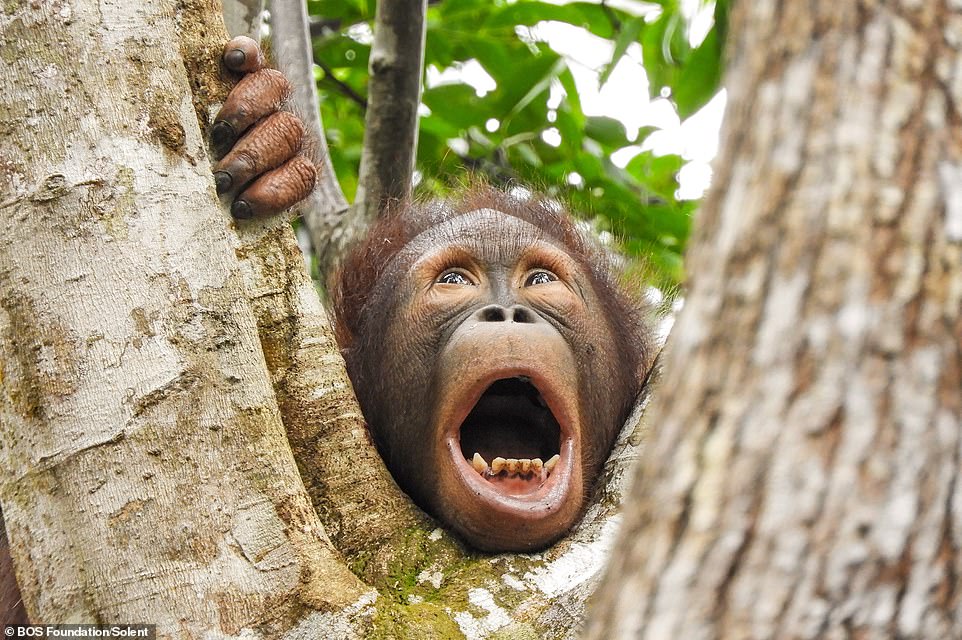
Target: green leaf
point(541, 85)
point(637, 204)
point(458, 104)
point(439, 126)
point(627, 34)
point(530, 78)
point(527, 154)
point(342, 52)
point(658, 174)
point(571, 125)
point(572, 99)
point(700, 78)
point(349, 11)
point(664, 47)
point(608, 131)
point(589, 16)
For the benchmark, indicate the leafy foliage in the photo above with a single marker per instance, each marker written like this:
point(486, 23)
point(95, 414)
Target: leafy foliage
point(516, 132)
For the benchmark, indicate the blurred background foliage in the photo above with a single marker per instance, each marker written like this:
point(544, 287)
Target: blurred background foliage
point(530, 129)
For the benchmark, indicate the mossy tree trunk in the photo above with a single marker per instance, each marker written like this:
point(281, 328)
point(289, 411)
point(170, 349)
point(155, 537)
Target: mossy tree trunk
point(146, 474)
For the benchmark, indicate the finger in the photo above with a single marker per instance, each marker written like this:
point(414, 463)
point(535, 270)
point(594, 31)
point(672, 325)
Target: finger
point(243, 55)
point(277, 190)
point(267, 145)
point(256, 95)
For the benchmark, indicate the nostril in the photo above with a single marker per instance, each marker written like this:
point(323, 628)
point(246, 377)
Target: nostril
point(492, 313)
point(522, 314)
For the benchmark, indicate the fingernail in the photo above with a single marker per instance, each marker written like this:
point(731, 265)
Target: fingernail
point(223, 180)
point(235, 58)
point(222, 134)
point(241, 210)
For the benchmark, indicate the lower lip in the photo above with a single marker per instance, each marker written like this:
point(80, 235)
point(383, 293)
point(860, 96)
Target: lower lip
point(549, 496)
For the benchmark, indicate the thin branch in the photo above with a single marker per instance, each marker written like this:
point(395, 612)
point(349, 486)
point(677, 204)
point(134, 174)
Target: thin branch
point(342, 87)
point(243, 17)
point(324, 212)
point(394, 93)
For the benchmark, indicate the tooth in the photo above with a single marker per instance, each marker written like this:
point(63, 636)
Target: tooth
point(479, 464)
point(497, 465)
point(512, 465)
point(525, 465)
point(537, 465)
point(550, 464)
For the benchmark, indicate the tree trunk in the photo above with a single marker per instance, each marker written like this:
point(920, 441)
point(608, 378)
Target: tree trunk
point(802, 479)
point(145, 471)
point(391, 120)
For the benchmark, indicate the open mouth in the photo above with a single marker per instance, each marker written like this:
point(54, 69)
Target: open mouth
point(512, 435)
point(511, 438)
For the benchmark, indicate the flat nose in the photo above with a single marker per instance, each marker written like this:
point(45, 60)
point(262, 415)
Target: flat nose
point(514, 313)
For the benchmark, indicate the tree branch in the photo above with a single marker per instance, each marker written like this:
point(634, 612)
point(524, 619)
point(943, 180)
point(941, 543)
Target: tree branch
point(394, 93)
point(344, 88)
point(244, 17)
point(325, 211)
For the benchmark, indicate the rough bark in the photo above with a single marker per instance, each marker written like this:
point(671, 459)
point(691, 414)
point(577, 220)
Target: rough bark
point(803, 477)
point(361, 507)
point(394, 93)
point(326, 214)
point(145, 471)
point(244, 17)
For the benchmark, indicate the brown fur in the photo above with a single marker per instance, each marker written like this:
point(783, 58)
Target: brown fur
point(364, 266)
point(395, 369)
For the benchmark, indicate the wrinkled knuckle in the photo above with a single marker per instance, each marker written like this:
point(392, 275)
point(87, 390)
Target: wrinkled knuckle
point(246, 160)
point(291, 128)
point(306, 172)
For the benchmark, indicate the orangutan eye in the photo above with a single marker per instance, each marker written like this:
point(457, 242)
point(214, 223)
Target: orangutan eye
point(540, 277)
point(454, 276)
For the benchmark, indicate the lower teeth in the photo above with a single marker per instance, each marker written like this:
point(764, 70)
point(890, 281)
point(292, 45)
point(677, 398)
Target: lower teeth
point(514, 466)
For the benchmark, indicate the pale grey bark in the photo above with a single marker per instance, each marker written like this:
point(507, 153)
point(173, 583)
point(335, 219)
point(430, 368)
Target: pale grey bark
point(244, 17)
point(802, 479)
point(145, 474)
point(394, 93)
